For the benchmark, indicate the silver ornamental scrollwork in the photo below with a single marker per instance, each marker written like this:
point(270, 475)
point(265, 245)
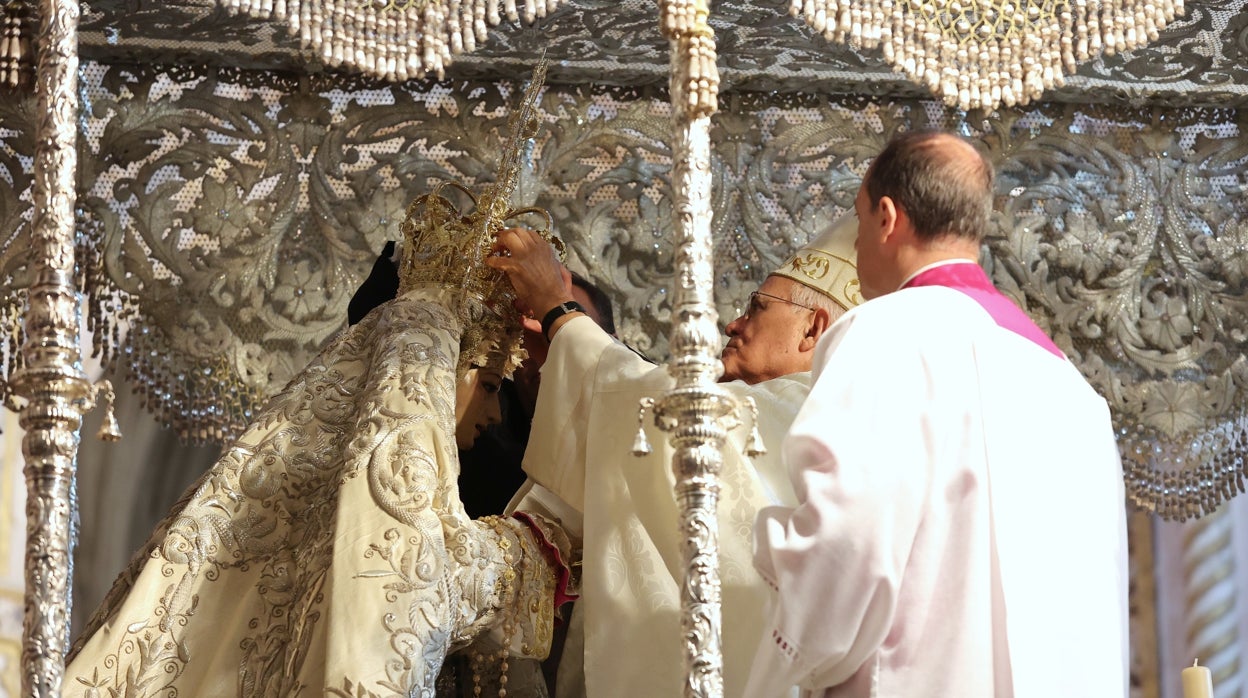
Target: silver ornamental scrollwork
point(304, 182)
point(1162, 187)
point(1120, 252)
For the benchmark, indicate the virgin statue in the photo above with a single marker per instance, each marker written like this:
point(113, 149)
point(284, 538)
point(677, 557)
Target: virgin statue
point(327, 552)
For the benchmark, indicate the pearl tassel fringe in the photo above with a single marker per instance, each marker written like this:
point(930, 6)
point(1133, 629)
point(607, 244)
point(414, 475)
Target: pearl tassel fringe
point(16, 57)
point(695, 77)
point(984, 53)
point(397, 41)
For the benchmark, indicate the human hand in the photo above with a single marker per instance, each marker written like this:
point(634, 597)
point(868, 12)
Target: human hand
point(540, 280)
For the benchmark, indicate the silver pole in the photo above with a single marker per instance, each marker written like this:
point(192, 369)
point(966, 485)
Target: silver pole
point(53, 383)
point(697, 412)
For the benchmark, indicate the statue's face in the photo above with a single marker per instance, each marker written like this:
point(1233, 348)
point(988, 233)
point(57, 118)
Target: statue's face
point(476, 404)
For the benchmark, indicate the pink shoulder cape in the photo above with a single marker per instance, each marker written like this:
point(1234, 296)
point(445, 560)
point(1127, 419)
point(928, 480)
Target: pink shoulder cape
point(971, 280)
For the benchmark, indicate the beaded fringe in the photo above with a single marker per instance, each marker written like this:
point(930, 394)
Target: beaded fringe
point(984, 53)
point(1178, 479)
point(397, 40)
point(695, 76)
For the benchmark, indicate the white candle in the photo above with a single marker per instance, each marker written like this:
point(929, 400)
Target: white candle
point(1197, 681)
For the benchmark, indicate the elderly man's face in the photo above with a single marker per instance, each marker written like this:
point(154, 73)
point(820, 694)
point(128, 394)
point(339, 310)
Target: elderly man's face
point(764, 342)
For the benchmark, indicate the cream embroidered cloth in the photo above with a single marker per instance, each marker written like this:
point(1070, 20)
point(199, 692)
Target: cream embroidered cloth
point(629, 608)
point(327, 552)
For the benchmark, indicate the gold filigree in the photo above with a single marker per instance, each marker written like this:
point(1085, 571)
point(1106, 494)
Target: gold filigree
point(853, 290)
point(813, 266)
point(446, 248)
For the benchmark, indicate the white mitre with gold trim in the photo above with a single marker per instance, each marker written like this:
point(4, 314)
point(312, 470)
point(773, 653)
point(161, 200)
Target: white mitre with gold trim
point(829, 263)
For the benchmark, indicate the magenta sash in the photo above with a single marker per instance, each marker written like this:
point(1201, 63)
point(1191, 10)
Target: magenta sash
point(970, 279)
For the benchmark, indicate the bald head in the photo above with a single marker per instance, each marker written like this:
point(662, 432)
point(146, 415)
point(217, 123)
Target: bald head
point(927, 198)
point(939, 180)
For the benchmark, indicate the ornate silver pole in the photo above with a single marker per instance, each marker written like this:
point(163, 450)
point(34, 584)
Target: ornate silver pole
point(697, 412)
point(53, 382)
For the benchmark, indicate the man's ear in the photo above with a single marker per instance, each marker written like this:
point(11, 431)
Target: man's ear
point(820, 320)
point(890, 216)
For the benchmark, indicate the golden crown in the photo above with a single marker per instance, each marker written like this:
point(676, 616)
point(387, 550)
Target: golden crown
point(446, 248)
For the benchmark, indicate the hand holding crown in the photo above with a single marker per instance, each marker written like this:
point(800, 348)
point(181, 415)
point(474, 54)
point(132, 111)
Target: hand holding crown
point(540, 280)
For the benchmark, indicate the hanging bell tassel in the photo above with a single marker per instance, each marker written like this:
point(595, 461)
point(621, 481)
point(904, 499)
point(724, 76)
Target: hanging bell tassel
point(109, 429)
point(754, 445)
point(641, 445)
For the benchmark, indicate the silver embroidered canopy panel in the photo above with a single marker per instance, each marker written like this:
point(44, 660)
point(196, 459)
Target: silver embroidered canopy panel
point(230, 215)
point(230, 210)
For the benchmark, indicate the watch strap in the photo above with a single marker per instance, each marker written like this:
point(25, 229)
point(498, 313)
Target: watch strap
point(557, 312)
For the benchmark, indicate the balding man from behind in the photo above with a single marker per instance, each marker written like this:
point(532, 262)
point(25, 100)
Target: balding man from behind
point(625, 635)
point(962, 525)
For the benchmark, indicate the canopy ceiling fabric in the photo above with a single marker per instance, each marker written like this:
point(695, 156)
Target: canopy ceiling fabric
point(1200, 59)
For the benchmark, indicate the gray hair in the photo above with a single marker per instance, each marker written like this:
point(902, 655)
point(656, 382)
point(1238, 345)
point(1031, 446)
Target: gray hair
point(809, 297)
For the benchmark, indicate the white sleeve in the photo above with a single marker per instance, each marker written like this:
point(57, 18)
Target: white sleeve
point(582, 357)
point(857, 457)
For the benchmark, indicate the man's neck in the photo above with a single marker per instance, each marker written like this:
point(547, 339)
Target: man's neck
point(921, 259)
point(934, 265)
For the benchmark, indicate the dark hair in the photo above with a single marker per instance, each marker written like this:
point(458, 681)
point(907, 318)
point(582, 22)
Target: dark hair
point(940, 189)
point(599, 300)
point(381, 285)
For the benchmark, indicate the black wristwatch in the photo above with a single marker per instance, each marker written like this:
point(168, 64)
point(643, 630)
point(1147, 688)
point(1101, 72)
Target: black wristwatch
point(557, 312)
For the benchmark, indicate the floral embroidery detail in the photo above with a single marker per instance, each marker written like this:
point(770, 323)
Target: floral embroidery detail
point(281, 572)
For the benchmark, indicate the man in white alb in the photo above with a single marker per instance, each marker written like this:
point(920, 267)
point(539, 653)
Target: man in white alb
point(624, 639)
point(961, 528)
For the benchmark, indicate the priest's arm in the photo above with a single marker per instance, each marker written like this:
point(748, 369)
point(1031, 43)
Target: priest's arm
point(584, 363)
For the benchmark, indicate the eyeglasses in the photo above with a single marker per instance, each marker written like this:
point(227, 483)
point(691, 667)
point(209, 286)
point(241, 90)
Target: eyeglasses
point(755, 306)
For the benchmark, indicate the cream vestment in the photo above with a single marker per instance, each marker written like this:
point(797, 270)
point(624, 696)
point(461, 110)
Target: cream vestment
point(327, 552)
point(580, 449)
point(962, 530)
